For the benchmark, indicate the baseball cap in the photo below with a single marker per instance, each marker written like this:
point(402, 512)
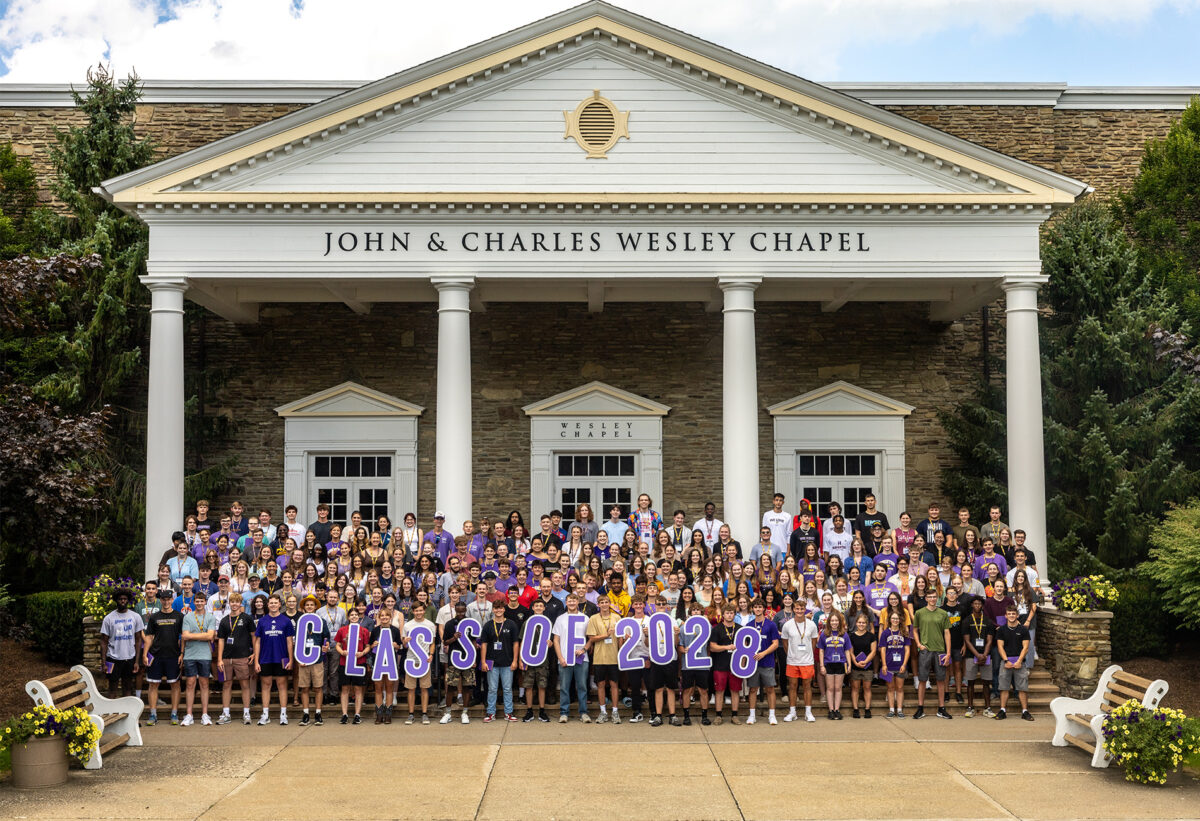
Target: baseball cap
point(222, 578)
point(439, 515)
point(491, 574)
point(166, 593)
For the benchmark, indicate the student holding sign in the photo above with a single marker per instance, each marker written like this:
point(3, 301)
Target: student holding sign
point(312, 644)
point(696, 662)
point(535, 662)
point(721, 645)
point(418, 640)
point(571, 645)
point(664, 662)
point(385, 642)
point(764, 673)
point(352, 673)
point(602, 633)
point(462, 678)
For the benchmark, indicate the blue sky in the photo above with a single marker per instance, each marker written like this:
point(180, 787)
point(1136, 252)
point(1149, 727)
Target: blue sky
point(1083, 42)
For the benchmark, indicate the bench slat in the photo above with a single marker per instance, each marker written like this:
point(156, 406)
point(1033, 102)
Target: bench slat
point(65, 678)
point(1079, 742)
point(114, 742)
point(71, 702)
point(1127, 691)
point(67, 692)
point(1130, 678)
point(1080, 718)
point(109, 718)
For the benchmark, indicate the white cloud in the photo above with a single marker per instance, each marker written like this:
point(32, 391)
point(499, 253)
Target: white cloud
point(56, 40)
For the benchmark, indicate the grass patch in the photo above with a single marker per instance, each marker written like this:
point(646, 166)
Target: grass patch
point(1193, 762)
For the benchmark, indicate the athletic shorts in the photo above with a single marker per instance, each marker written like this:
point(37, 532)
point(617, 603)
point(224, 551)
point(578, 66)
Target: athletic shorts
point(163, 668)
point(861, 674)
point(956, 653)
point(835, 668)
point(930, 661)
point(424, 681)
point(456, 677)
point(973, 670)
point(311, 675)
point(536, 676)
point(351, 681)
point(696, 678)
point(197, 668)
point(236, 669)
point(724, 680)
point(1018, 677)
point(803, 671)
point(122, 669)
point(603, 673)
point(762, 677)
point(663, 675)
point(272, 670)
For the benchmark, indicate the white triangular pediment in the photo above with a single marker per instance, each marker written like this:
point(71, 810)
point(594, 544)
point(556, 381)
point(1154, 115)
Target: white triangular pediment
point(487, 125)
point(596, 399)
point(840, 399)
point(349, 399)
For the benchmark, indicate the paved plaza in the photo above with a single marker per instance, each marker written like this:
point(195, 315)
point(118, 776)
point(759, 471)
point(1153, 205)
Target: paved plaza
point(914, 770)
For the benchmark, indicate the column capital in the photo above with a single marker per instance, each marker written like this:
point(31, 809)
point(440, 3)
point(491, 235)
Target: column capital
point(1025, 282)
point(453, 283)
point(158, 283)
point(739, 283)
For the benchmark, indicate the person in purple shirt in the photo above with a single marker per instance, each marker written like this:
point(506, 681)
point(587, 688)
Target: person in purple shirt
point(879, 588)
point(505, 580)
point(765, 674)
point(442, 541)
point(989, 556)
point(475, 541)
point(274, 639)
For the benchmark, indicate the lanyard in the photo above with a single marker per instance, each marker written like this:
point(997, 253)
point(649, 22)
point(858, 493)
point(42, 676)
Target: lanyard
point(978, 625)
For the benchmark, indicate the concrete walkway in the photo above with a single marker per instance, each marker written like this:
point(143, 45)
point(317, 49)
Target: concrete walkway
point(929, 769)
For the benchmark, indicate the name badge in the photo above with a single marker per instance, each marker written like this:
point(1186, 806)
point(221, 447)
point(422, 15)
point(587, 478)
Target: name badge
point(497, 645)
point(229, 640)
point(979, 642)
point(608, 640)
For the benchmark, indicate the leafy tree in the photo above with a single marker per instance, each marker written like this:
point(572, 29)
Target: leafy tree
point(975, 431)
point(1173, 565)
point(1162, 210)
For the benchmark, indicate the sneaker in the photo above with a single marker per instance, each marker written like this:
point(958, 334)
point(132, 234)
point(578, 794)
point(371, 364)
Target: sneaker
point(1025, 714)
point(899, 714)
point(958, 697)
point(751, 719)
point(447, 718)
point(1003, 714)
point(970, 713)
point(345, 719)
point(772, 720)
point(246, 719)
point(175, 718)
point(411, 718)
point(283, 719)
point(943, 713)
point(867, 713)
point(187, 720)
point(891, 714)
point(387, 715)
point(920, 713)
point(829, 714)
point(705, 720)
point(542, 717)
point(616, 718)
point(734, 720)
point(585, 719)
point(487, 719)
point(687, 720)
point(791, 716)
point(676, 721)
point(854, 713)
point(656, 721)
point(223, 718)
point(357, 719)
point(205, 720)
point(627, 702)
point(304, 719)
point(637, 718)
point(425, 718)
point(264, 720)
point(320, 722)
point(466, 719)
point(562, 718)
point(809, 717)
point(987, 713)
point(602, 718)
point(837, 714)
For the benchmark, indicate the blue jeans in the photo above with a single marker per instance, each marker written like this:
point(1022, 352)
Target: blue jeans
point(579, 673)
point(499, 677)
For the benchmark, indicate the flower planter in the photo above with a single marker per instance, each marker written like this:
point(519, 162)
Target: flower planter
point(41, 762)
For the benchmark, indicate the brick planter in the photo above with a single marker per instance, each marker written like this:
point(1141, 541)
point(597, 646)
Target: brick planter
point(91, 646)
point(1075, 647)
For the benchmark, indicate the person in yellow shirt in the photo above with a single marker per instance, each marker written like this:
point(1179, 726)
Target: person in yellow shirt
point(602, 631)
point(617, 595)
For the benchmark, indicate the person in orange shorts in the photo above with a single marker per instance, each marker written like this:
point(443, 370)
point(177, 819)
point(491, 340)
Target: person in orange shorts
point(800, 636)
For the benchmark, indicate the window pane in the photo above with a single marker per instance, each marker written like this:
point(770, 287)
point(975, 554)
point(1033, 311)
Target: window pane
point(383, 466)
point(366, 496)
point(822, 466)
point(583, 494)
point(321, 467)
point(626, 465)
point(810, 493)
point(596, 465)
point(852, 466)
point(837, 465)
point(324, 496)
point(564, 466)
point(339, 495)
point(868, 466)
point(806, 466)
point(612, 466)
point(337, 466)
point(568, 496)
point(381, 498)
point(367, 466)
point(581, 466)
point(352, 466)
point(624, 497)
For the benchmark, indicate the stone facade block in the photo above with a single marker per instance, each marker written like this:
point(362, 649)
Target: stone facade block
point(1075, 647)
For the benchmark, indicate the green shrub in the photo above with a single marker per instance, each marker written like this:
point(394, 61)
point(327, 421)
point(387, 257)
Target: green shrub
point(1140, 626)
point(55, 622)
point(1173, 565)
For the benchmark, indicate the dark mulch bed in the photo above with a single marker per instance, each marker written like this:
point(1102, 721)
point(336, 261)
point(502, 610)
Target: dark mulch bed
point(1181, 672)
point(20, 663)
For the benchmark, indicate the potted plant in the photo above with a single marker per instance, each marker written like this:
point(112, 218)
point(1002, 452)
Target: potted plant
point(1083, 594)
point(1150, 744)
point(42, 742)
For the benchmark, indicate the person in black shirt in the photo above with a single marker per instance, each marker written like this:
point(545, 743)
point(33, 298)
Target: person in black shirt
point(235, 643)
point(978, 635)
point(720, 646)
point(499, 648)
point(164, 654)
point(385, 689)
point(868, 518)
point(1013, 641)
point(957, 611)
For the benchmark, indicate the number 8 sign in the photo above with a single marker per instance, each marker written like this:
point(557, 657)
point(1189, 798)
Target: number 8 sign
point(742, 663)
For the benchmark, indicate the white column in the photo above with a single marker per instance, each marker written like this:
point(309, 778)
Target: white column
point(164, 420)
point(453, 465)
point(739, 410)
point(1023, 375)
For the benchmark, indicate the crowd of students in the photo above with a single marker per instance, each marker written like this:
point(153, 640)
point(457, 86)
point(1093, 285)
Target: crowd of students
point(648, 617)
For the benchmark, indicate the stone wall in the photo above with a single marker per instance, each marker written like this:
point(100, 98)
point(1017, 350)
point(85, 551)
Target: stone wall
point(91, 646)
point(1075, 647)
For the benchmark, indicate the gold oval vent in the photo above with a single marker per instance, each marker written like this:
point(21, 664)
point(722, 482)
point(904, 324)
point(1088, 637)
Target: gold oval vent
point(596, 125)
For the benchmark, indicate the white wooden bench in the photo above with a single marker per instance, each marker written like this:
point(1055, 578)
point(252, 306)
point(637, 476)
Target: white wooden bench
point(77, 688)
point(1078, 721)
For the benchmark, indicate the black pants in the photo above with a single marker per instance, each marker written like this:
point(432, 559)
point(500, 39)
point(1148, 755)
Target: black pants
point(637, 679)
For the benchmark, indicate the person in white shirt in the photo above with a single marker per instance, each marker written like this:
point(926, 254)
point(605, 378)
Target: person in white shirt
point(780, 522)
point(425, 682)
point(800, 634)
point(837, 539)
point(616, 526)
point(710, 525)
